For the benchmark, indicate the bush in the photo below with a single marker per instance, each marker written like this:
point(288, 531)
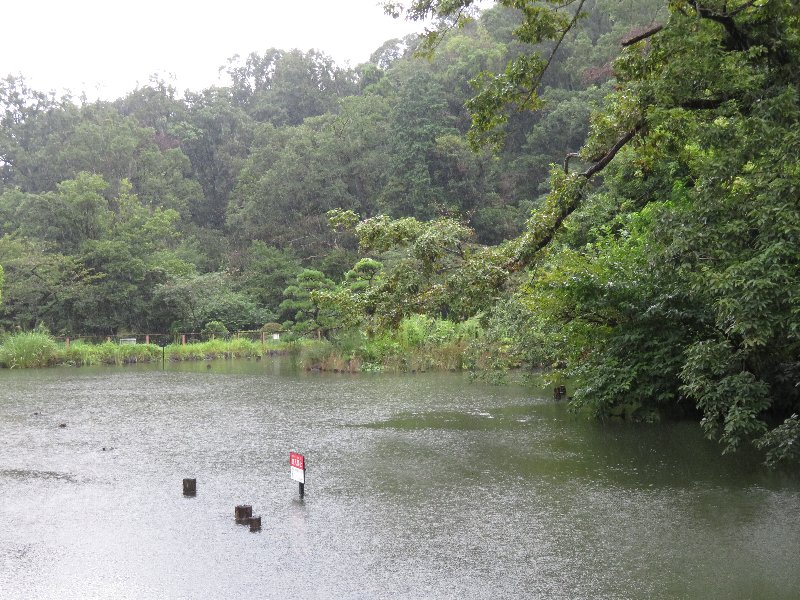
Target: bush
point(28, 349)
point(80, 353)
point(213, 329)
point(413, 331)
point(314, 354)
point(272, 328)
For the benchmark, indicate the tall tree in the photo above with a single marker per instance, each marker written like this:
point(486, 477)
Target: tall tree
point(284, 88)
point(701, 123)
point(216, 137)
point(29, 121)
point(295, 175)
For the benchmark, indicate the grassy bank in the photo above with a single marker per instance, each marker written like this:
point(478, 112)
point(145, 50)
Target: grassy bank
point(418, 344)
point(35, 349)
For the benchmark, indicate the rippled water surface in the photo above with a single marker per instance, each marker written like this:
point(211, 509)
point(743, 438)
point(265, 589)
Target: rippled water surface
point(419, 486)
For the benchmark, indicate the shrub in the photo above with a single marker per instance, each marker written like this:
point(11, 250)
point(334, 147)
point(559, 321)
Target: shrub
point(213, 329)
point(28, 349)
point(313, 354)
point(272, 328)
point(80, 353)
point(413, 330)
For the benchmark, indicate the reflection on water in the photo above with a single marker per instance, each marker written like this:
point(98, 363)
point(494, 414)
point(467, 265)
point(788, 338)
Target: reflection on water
point(419, 486)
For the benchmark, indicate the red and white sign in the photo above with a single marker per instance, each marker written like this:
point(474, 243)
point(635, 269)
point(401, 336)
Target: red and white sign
point(297, 467)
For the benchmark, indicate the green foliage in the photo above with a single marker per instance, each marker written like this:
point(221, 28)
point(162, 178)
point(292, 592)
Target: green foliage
point(216, 137)
point(272, 328)
point(28, 349)
point(301, 304)
point(676, 287)
point(41, 286)
point(285, 88)
point(197, 299)
point(214, 328)
point(295, 175)
point(783, 442)
point(38, 349)
point(80, 353)
point(315, 353)
point(669, 285)
point(211, 349)
point(125, 200)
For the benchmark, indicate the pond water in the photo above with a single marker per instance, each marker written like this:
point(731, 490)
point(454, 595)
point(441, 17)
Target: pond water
point(418, 486)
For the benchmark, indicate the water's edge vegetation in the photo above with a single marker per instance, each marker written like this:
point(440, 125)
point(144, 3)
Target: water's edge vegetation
point(419, 344)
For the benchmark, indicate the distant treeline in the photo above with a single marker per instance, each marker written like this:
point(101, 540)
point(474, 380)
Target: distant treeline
point(163, 211)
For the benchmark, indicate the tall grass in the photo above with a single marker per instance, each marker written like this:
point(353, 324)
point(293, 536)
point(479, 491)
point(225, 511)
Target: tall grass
point(233, 348)
point(108, 353)
point(27, 350)
point(39, 349)
point(419, 343)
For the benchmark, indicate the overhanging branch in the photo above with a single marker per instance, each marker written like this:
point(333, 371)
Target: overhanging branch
point(641, 36)
point(532, 241)
point(603, 162)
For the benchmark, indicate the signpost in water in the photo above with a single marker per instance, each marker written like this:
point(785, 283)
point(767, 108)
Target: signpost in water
point(297, 470)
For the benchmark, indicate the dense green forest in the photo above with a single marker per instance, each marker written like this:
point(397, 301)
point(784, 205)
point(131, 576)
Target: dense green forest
point(608, 188)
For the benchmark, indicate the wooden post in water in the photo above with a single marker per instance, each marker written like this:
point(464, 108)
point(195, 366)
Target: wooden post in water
point(255, 523)
point(242, 513)
point(190, 487)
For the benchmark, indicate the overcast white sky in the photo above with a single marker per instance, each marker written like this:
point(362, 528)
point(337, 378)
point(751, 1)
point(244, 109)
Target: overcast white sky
point(105, 48)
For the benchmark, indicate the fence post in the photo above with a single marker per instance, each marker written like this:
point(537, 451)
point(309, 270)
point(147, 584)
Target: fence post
point(183, 339)
point(262, 338)
point(147, 339)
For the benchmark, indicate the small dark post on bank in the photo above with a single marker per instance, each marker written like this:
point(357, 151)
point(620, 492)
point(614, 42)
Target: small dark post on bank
point(190, 487)
point(163, 344)
point(297, 470)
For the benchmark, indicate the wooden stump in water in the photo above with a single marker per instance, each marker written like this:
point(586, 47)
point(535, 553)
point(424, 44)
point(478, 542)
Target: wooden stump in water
point(189, 486)
point(242, 513)
point(255, 523)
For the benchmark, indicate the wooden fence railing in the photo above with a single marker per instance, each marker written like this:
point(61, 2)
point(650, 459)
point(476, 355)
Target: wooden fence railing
point(163, 339)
